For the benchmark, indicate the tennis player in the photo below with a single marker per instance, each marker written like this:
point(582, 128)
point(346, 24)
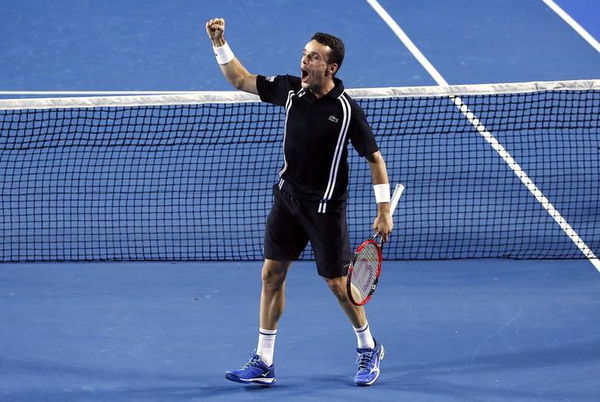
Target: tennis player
point(310, 198)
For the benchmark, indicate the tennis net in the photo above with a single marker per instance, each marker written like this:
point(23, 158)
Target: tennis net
point(189, 176)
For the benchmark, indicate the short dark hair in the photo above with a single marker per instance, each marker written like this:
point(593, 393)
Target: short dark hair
point(337, 47)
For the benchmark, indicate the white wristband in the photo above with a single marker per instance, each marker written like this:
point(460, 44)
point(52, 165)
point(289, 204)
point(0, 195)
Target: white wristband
point(223, 54)
point(382, 192)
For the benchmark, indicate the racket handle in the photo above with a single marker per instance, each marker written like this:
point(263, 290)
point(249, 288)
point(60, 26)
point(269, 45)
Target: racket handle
point(396, 197)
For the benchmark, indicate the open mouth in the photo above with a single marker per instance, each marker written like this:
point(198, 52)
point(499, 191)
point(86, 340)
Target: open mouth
point(304, 74)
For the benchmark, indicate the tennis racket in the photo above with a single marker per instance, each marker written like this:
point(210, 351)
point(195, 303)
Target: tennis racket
point(365, 267)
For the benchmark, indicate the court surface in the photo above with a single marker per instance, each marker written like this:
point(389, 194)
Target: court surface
point(471, 330)
point(474, 330)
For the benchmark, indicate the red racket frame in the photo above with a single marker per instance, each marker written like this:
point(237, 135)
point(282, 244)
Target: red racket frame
point(377, 273)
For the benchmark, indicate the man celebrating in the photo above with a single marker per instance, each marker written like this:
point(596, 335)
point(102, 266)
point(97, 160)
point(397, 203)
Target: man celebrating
point(310, 198)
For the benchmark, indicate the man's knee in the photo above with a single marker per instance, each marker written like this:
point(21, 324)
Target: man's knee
point(274, 273)
point(337, 286)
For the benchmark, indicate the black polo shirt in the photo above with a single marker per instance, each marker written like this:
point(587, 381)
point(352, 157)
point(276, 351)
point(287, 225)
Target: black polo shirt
point(317, 132)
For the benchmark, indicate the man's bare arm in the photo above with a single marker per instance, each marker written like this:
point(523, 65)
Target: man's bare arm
point(383, 222)
point(233, 71)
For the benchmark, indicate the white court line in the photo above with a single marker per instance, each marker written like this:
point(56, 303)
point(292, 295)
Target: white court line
point(569, 20)
point(504, 154)
point(408, 43)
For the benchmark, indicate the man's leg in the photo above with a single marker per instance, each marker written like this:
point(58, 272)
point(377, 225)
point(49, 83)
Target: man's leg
point(272, 304)
point(260, 368)
point(370, 353)
point(356, 314)
point(272, 295)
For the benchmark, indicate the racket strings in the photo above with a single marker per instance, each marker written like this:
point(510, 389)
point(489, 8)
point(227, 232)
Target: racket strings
point(364, 272)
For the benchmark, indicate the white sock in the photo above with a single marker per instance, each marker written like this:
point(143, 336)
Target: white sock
point(364, 337)
point(266, 345)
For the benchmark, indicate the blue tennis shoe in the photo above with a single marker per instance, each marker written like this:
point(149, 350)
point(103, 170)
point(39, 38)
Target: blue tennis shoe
point(368, 365)
point(254, 372)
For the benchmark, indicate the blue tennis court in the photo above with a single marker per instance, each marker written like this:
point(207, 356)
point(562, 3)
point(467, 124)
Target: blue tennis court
point(105, 327)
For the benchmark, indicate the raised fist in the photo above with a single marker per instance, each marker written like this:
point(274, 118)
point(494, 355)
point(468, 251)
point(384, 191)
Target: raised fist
point(215, 29)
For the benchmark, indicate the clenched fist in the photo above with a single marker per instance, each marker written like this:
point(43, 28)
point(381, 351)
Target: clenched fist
point(215, 29)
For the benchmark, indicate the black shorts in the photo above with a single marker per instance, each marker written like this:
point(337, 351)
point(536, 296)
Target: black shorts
point(292, 223)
